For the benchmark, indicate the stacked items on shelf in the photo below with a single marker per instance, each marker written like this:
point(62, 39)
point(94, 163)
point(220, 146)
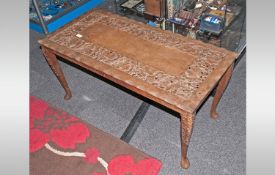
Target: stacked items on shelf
point(205, 17)
point(51, 8)
point(56, 13)
point(136, 6)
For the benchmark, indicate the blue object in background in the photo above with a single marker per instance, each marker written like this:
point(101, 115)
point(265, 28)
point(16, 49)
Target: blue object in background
point(64, 19)
point(152, 24)
point(178, 21)
point(211, 23)
point(50, 10)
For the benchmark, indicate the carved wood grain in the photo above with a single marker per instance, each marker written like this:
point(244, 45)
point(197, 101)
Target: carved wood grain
point(187, 123)
point(183, 92)
point(220, 89)
point(54, 65)
point(183, 86)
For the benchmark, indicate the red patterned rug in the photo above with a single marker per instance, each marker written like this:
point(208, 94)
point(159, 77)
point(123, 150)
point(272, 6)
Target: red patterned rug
point(61, 144)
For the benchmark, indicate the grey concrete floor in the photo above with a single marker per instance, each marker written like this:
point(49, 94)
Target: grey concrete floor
point(217, 147)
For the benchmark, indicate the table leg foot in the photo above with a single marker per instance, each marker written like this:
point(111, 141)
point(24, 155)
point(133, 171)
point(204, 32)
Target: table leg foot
point(187, 122)
point(220, 89)
point(68, 95)
point(54, 65)
point(185, 163)
point(214, 114)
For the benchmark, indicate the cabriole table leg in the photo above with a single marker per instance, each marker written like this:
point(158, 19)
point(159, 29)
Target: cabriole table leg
point(187, 123)
point(54, 65)
point(220, 89)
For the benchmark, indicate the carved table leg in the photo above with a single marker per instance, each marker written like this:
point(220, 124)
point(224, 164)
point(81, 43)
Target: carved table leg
point(187, 122)
point(219, 91)
point(53, 63)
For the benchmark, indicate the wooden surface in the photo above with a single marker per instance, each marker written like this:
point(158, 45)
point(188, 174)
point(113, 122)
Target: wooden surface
point(153, 7)
point(170, 69)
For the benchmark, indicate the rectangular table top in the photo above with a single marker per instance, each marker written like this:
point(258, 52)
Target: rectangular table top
point(168, 68)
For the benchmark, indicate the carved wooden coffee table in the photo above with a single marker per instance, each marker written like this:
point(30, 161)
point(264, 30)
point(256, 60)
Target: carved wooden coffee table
point(170, 69)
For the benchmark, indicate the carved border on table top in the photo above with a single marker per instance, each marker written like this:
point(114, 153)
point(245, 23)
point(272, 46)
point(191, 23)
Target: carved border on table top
point(182, 86)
